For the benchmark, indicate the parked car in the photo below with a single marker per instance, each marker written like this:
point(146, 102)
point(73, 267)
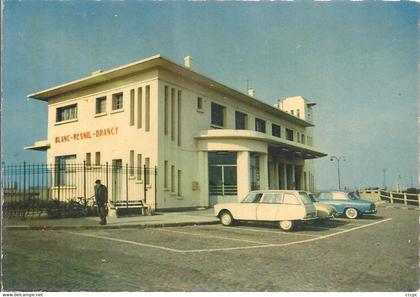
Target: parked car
point(347, 203)
point(324, 211)
point(287, 208)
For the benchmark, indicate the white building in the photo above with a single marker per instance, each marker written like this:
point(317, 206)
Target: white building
point(209, 142)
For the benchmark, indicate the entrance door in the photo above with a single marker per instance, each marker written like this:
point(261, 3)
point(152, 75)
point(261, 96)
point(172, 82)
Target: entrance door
point(116, 179)
point(222, 177)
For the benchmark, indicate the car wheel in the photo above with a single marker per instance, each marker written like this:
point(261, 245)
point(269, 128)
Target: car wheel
point(287, 225)
point(226, 218)
point(351, 213)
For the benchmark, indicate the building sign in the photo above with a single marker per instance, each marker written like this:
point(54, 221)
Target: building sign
point(87, 135)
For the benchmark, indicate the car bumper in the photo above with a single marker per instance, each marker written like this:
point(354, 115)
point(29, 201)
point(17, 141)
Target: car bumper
point(309, 219)
point(371, 211)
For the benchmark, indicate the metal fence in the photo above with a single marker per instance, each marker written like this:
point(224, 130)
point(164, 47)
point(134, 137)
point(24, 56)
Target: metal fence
point(36, 186)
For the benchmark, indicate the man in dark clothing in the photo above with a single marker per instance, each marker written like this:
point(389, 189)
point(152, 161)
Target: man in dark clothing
point(101, 197)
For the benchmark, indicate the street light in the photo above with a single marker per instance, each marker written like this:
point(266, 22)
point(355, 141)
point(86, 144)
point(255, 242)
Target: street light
point(338, 167)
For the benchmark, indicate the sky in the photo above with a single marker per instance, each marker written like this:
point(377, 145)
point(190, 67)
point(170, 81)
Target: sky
point(357, 60)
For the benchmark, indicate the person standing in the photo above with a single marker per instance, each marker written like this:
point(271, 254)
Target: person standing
point(101, 197)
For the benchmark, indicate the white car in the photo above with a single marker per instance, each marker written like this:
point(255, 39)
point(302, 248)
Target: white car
point(286, 207)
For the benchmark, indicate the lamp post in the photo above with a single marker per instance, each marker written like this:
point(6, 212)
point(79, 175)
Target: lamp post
point(338, 167)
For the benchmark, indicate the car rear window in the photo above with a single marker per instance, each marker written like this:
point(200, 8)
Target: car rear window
point(305, 198)
point(290, 199)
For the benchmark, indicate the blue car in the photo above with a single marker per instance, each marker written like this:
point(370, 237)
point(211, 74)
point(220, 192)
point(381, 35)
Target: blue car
point(347, 203)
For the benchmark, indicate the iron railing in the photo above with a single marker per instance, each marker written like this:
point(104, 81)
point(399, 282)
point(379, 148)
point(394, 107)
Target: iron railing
point(36, 186)
point(222, 190)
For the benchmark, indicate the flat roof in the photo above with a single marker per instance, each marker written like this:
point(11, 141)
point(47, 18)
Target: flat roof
point(157, 61)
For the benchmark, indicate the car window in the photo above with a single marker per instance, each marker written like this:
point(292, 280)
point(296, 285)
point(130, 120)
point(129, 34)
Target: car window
point(353, 195)
point(290, 199)
point(252, 198)
point(271, 198)
point(305, 198)
point(312, 197)
point(339, 196)
point(325, 196)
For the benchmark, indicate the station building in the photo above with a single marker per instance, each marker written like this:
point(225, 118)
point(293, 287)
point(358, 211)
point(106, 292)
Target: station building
point(210, 143)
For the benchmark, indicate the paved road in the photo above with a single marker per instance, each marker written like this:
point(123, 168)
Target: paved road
point(371, 254)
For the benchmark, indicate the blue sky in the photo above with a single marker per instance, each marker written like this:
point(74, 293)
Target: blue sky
point(357, 61)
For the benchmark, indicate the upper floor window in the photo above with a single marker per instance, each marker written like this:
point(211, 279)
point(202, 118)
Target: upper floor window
point(259, 125)
point(275, 130)
point(66, 113)
point(218, 114)
point(289, 134)
point(298, 113)
point(101, 105)
point(240, 120)
point(199, 103)
point(303, 138)
point(117, 101)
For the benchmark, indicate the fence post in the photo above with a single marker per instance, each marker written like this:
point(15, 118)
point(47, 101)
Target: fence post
point(126, 185)
point(145, 182)
point(106, 177)
point(391, 198)
point(24, 180)
point(84, 182)
point(155, 188)
point(405, 199)
point(418, 199)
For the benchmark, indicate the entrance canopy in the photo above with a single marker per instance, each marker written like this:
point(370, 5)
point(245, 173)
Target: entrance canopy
point(231, 140)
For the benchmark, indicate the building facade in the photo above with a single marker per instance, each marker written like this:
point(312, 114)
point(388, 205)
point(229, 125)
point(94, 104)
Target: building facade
point(210, 143)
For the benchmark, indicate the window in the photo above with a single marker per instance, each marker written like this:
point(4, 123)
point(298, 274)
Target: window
point(132, 107)
point(172, 114)
point(217, 115)
point(255, 171)
point(222, 173)
point(66, 113)
point(305, 198)
point(117, 101)
point(165, 174)
point(298, 137)
point(289, 134)
point(165, 111)
point(240, 120)
point(179, 183)
point(252, 198)
point(139, 167)
point(271, 198)
point(290, 199)
point(199, 103)
point(324, 196)
point(172, 178)
point(98, 158)
point(100, 105)
point(147, 111)
point(339, 196)
point(147, 172)
point(259, 125)
point(178, 133)
point(292, 112)
point(65, 171)
point(88, 159)
point(298, 113)
point(131, 163)
point(139, 107)
point(303, 138)
point(275, 130)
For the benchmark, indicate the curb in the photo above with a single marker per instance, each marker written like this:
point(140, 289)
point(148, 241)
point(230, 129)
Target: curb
point(398, 207)
point(121, 226)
